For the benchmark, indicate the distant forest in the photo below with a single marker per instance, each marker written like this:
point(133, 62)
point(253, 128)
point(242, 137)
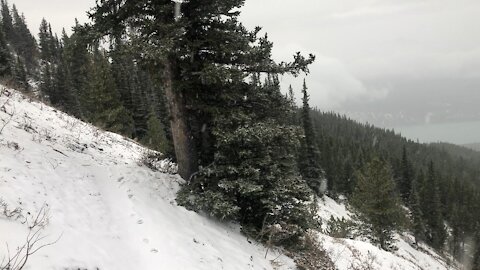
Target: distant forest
point(204, 91)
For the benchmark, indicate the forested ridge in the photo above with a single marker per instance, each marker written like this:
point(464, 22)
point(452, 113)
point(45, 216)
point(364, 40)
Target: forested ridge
point(203, 90)
point(446, 171)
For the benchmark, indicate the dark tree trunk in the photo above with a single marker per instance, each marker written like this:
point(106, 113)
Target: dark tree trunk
point(182, 137)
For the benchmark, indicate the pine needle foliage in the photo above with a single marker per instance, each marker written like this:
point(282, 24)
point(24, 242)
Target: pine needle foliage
point(377, 203)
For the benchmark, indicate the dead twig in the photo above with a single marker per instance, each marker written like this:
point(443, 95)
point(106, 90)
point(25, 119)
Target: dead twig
point(33, 243)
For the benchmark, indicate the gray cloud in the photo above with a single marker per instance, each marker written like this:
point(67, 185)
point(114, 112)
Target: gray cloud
point(60, 13)
point(387, 62)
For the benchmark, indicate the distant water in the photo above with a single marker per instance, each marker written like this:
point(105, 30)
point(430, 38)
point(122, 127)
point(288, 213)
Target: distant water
point(457, 133)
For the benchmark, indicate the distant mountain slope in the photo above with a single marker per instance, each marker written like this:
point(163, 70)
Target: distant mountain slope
point(473, 146)
point(346, 144)
point(107, 211)
point(458, 151)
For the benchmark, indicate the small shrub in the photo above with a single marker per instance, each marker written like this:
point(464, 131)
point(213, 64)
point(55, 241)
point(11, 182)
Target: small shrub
point(311, 255)
point(156, 161)
point(340, 228)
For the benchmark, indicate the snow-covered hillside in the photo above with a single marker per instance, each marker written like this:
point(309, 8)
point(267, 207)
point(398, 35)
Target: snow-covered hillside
point(349, 254)
point(108, 211)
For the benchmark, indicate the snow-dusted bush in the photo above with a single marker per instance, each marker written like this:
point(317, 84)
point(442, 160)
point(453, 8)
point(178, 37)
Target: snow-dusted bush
point(312, 256)
point(4, 121)
point(7, 212)
point(340, 228)
point(157, 162)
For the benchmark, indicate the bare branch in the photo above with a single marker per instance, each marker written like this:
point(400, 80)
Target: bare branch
point(33, 242)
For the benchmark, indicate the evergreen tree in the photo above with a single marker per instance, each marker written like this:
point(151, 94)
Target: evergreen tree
point(46, 42)
point(67, 96)
point(7, 22)
point(23, 41)
point(309, 154)
point(253, 178)
point(293, 115)
point(406, 177)
point(155, 137)
point(102, 102)
point(418, 225)
point(377, 203)
point(20, 74)
point(432, 210)
point(78, 58)
point(476, 255)
point(49, 65)
point(5, 56)
point(197, 54)
point(47, 87)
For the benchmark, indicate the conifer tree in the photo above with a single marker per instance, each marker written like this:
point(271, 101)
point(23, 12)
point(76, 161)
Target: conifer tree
point(7, 22)
point(155, 137)
point(46, 42)
point(23, 41)
point(418, 225)
point(406, 177)
point(253, 178)
point(476, 255)
point(293, 115)
point(377, 203)
point(62, 80)
point(47, 87)
point(102, 101)
point(309, 157)
point(5, 56)
point(68, 97)
point(236, 131)
point(196, 54)
point(49, 65)
point(78, 58)
point(20, 74)
point(432, 210)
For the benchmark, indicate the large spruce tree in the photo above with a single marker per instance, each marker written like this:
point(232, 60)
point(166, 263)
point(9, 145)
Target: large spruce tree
point(309, 157)
point(196, 56)
point(233, 129)
point(418, 224)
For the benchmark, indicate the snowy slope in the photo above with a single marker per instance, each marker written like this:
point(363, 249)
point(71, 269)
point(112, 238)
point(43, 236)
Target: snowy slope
point(107, 211)
point(110, 212)
point(349, 254)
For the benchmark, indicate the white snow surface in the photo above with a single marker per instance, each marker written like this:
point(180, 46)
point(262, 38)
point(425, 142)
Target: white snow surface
point(106, 210)
point(351, 254)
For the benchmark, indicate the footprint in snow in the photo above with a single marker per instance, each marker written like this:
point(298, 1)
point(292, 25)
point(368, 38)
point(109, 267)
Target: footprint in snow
point(154, 250)
point(140, 221)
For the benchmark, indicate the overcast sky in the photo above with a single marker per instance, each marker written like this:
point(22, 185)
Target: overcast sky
point(390, 62)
